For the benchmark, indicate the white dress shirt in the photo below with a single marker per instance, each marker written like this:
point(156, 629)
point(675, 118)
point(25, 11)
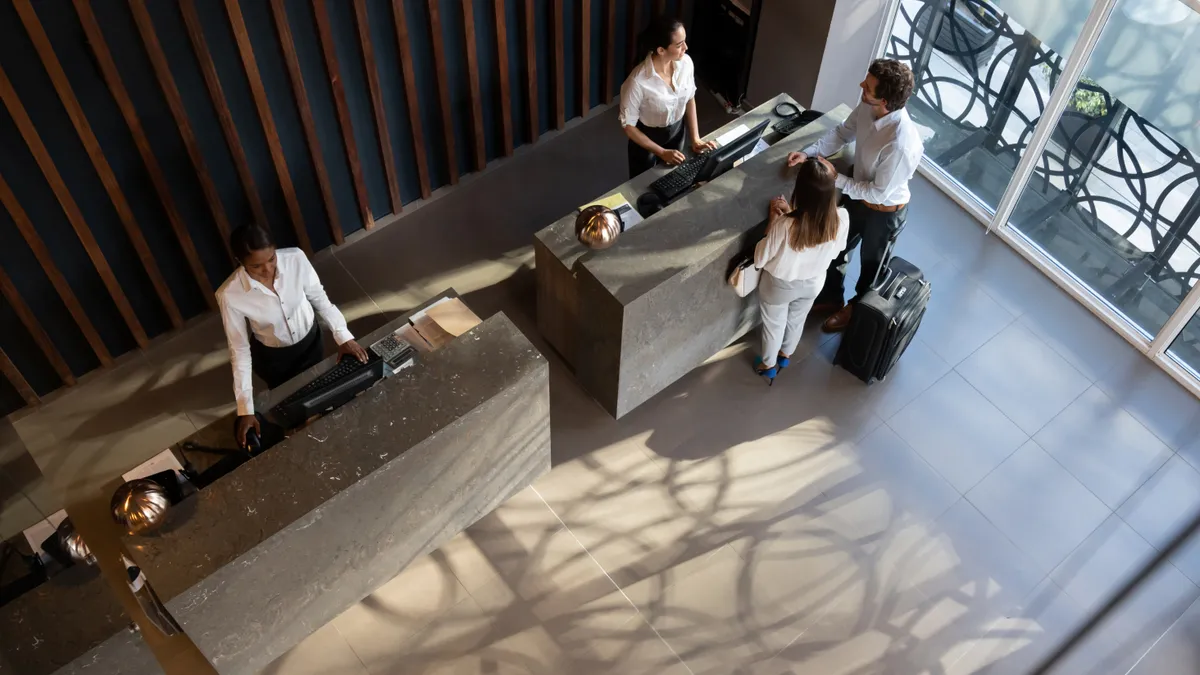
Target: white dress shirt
point(277, 318)
point(775, 255)
point(886, 154)
point(646, 97)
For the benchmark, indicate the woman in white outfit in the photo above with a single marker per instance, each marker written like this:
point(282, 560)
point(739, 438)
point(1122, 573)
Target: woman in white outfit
point(803, 236)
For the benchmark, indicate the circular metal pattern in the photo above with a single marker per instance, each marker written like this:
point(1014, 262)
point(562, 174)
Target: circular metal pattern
point(597, 227)
point(140, 505)
point(73, 544)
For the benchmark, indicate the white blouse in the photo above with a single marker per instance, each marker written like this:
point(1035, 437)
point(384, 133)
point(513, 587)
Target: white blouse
point(777, 257)
point(647, 98)
point(276, 317)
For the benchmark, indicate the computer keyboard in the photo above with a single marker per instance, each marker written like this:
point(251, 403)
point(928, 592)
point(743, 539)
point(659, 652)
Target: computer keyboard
point(681, 178)
point(787, 126)
point(334, 387)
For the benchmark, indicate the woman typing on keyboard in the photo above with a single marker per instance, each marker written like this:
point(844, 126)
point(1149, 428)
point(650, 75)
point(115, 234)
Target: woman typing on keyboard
point(658, 100)
point(269, 308)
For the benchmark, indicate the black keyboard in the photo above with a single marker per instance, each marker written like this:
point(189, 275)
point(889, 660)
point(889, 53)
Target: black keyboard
point(329, 390)
point(681, 178)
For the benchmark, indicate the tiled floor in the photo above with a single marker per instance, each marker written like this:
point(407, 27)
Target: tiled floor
point(962, 516)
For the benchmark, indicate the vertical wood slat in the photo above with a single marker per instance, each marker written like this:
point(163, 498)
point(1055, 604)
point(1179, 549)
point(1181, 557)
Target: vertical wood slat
point(560, 93)
point(410, 95)
point(660, 7)
point(35, 329)
point(10, 371)
point(632, 57)
point(585, 57)
point(325, 35)
point(166, 82)
point(531, 69)
point(58, 77)
point(42, 253)
point(112, 77)
point(30, 135)
point(468, 7)
point(216, 93)
point(250, 64)
point(381, 125)
point(284, 29)
point(505, 87)
point(610, 50)
point(443, 85)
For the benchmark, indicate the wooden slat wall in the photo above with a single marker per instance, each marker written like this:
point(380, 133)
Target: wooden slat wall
point(333, 72)
point(295, 95)
point(443, 86)
point(213, 82)
point(480, 142)
point(170, 91)
point(531, 71)
point(502, 66)
point(91, 144)
point(112, 78)
point(283, 28)
point(381, 126)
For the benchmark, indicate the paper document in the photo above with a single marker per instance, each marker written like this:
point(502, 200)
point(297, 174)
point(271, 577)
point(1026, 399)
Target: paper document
point(732, 135)
point(612, 201)
point(758, 147)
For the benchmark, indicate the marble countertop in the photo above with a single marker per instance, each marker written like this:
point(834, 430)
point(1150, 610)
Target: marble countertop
point(283, 485)
point(686, 234)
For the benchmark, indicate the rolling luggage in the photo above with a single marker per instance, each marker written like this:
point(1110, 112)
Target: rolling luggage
point(884, 321)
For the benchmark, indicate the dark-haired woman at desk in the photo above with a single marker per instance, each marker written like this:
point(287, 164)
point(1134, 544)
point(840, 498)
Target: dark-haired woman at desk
point(658, 100)
point(269, 307)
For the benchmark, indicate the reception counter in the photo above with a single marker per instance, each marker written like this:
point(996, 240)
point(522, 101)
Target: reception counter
point(269, 553)
point(633, 318)
point(71, 624)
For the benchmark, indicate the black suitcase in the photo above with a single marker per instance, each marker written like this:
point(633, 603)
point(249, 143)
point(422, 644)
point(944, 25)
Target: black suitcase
point(884, 321)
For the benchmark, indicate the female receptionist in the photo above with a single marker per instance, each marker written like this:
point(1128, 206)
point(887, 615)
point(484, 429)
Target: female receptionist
point(269, 307)
point(658, 99)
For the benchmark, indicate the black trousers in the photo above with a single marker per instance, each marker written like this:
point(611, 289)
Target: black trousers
point(277, 365)
point(670, 138)
point(871, 229)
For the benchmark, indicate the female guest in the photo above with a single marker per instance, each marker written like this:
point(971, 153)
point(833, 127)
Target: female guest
point(657, 98)
point(802, 238)
point(269, 307)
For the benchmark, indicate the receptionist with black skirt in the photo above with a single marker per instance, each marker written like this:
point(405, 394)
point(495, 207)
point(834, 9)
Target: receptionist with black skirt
point(658, 104)
point(269, 307)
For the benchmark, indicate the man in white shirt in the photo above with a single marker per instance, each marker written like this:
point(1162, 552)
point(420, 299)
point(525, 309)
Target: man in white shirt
point(269, 307)
point(887, 151)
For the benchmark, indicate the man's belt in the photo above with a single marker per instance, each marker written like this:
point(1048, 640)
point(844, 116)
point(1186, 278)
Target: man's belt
point(884, 208)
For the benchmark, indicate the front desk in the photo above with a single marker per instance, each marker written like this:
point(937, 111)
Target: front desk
point(269, 553)
point(635, 317)
point(71, 624)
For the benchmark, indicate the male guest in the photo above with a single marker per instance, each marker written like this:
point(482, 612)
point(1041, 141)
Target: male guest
point(886, 154)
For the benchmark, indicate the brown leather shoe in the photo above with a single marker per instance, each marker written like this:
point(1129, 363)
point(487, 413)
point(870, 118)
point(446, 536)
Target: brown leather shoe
point(838, 322)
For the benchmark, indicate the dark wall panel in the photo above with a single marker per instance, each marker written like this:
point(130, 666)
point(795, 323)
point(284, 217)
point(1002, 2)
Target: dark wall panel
point(391, 82)
point(185, 185)
point(320, 98)
point(358, 97)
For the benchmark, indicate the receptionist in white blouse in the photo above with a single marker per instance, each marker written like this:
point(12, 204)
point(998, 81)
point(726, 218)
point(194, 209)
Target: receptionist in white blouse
point(269, 306)
point(658, 106)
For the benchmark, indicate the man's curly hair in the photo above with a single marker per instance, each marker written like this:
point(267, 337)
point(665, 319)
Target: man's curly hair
point(895, 82)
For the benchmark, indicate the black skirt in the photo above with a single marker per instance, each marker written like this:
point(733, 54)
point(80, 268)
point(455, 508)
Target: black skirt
point(277, 365)
point(669, 137)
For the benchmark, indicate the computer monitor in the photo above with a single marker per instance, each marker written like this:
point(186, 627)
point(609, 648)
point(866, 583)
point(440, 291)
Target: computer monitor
point(723, 158)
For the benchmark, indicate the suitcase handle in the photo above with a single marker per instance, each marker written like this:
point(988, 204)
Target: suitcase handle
point(887, 256)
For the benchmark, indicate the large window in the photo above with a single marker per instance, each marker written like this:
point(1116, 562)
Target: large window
point(1113, 199)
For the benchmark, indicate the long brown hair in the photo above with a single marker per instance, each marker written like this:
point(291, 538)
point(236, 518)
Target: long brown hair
point(815, 218)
